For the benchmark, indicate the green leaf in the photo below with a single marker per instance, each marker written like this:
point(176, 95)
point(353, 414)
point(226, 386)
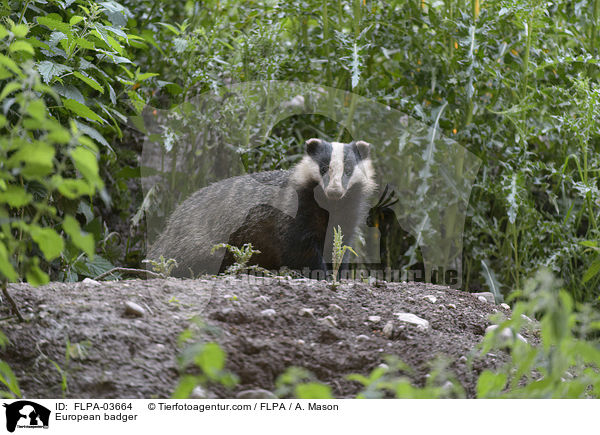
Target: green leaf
point(10, 64)
point(20, 30)
point(145, 76)
point(93, 133)
point(313, 390)
point(137, 102)
point(83, 241)
point(115, 12)
point(101, 34)
point(171, 28)
point(116, 31)
point(8, 378)
point(97, 266)
point(592, 271)
point(54, 24)
point(4, 341)
point(75, 19)
point(6, 268)
point(50, 243)
point(56, 37)
point(89, 81)
point(211, 360)
point(21, 46)
point(37, 109)
point(49, 69)
point(38, 158)
point(81, 110)
point(36, 276)
point(4, 73)
point(85, 44)
point(70, 92)
point(184, 388)
point(491, 281)
point(490, 384)
point(72, 189)
point(10, 87)
point(85, 161)
point(3, 32)
point(112, 94)
point(59, 135)
point(15, 196)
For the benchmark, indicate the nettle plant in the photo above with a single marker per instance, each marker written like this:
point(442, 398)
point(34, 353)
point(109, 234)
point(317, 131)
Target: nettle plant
point(67, 84)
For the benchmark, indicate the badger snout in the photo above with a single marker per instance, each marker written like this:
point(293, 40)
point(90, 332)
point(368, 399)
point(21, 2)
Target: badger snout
point(334, 194)
point(335, 190)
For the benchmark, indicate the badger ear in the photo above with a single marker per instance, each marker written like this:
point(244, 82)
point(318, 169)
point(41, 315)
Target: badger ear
point(312, 145)
point(362, 148)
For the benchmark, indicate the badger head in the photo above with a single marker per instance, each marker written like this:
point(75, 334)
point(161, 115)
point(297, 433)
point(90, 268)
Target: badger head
point(336, 169)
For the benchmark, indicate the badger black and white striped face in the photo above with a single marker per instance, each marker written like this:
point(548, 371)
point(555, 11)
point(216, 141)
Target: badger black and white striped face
point(336, 167)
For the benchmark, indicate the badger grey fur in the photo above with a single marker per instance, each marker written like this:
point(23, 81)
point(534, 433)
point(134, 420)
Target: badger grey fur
point(287, 215)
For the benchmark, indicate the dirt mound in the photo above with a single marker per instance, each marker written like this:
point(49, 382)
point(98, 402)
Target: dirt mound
point(265, 325)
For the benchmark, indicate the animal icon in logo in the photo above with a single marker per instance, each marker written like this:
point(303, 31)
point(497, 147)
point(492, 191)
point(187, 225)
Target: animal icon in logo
point(26, 413)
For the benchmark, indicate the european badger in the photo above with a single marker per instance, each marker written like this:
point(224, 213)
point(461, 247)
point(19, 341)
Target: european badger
point(288, 216)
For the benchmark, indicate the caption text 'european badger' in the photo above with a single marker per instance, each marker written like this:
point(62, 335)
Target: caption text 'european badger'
point(287, 215)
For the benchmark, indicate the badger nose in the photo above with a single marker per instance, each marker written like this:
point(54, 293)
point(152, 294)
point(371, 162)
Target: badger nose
point(334, 193)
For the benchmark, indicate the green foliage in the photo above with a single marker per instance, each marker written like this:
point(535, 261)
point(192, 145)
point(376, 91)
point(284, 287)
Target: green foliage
point(515, 82)
point(241, 257)
point(313, 390)
point(68, 83)
point(566, 363)
point(338, 251)
point(301, 383)
point(208, 358)
point(594, 268)
point(7, 377)
point(162, 266)
point(64, 381)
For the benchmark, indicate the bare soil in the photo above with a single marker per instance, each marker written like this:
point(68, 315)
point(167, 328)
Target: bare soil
point(261, 323)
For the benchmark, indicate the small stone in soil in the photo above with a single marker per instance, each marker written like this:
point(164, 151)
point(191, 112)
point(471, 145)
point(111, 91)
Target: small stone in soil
point(506, 333)
point(388, 329)
point(306, 312)
point(134, 309)
point(413, 319)
point(488, 296)
point(269, 312)
point(430, 298)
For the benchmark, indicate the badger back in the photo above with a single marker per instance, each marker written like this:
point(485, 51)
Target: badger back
point(212, 214)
